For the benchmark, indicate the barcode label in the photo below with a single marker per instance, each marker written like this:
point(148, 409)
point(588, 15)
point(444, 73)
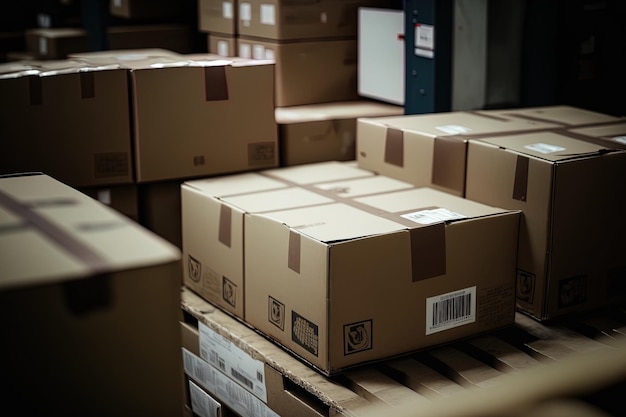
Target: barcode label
point(242, 378)
point(450, 310)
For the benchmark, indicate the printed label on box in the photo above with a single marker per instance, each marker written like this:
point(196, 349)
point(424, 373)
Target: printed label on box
point(228, 391)
point(245, 13)
point(245, 51)
point(620, 139)
point(227, 10)
point(202, 403)
point(268, 14)
point(305, 333)
point(433, 216)
point(453, 129)
point(544, 148)
point(450, 310)
point(232, 361)
point(222, 48)
point(258, 52)
point(43, 46)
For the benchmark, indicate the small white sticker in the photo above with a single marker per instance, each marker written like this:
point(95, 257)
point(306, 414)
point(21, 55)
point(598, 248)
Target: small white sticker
point(453, 129)
point(232, 361)
point(425, 36)
point(227, 9)
point(202, 403)
point(117, 3)
point(44, 20)
point(222, 48)
point(268, 14)
point(426, 53)
point(544, 148)
point(269, 54)
point(323, 17)
point(104, 196)
point(245, 13)
point(258, 52)
point(245, 51)
point(433, 216)
point(620, 139)
point(450, 310)
point(43, 46)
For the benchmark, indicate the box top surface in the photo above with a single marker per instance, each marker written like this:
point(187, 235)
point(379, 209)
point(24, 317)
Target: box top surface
point(50, 67)
point(566, 115)
point(550, 146)
point(612, 131)
point(228, 185)
point(317, 172)
point(380, 214)
point(336, 110)
point(50, 232)
point(459, 123)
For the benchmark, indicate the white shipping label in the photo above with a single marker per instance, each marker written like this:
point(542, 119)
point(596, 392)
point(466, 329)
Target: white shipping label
point(450, 310)
point(453, 129)
point(433, 216)
point(544, 148)
point(222, 48)
point(227, 9)
point(269, 54)
point(268, 14)
point(245, 51)
point(424, 36)
point(620, 139)
point(323, 17)
point(228, 391)
point(245, 13)
point(202, 403)
point(258, 52)
point(232, 361)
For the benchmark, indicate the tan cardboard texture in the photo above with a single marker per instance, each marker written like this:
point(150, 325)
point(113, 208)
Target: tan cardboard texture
point(340, 285)
point(97, 299)
point(428, 150)
point(570, 250)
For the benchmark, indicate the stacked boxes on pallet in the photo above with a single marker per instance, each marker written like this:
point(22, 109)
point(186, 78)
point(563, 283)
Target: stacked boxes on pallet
point(561, 171)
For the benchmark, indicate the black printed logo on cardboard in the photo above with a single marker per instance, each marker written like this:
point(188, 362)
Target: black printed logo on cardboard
point(194, 268)
point(229, 291)
point(572, 291)
point(357, 337)
point(276, 313)
point(525, 286)
point(305, 333)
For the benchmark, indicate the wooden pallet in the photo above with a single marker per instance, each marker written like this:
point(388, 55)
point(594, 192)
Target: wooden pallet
point(523, 370)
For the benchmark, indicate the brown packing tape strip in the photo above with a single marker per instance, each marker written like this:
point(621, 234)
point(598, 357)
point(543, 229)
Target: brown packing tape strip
point(215, 83)
point(87, 85)
point(428, 251)
point(225, 225)
point(35, 90)
point(394, 147)
point(294, 255)
point(520, 185)
point(447, 154)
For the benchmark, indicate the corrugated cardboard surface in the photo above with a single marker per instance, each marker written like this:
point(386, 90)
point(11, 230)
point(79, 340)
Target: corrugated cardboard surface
point(69, 120)
point(565, 115)
point(324, 132)
point(428, 150)
point(310, 71)
point(341, 285)
point(611, 135)
point(570, 253)
point(97, 303)
point(218, 16)
point(281, 20)
point(213, 211)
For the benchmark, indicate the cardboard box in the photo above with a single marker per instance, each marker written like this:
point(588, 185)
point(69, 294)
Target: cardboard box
point(198, 115)
point(160, 209)
point(611, 135)
point(353, 282)
point(565, 115)
point(222, 45)
point(280, 20)
point(218, 16)
point(213, 211)
point(75, 278)
point(381, 54)
point(571, 250)
point(428, 150)
point(122, 198)
point(56, 43)
point(324, 132)
point(70, 120)
point(327, 68)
